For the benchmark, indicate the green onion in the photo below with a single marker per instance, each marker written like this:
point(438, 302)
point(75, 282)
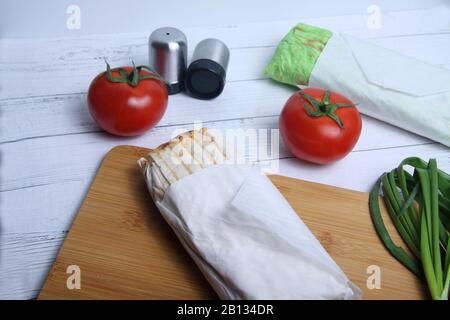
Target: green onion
point(419, 207)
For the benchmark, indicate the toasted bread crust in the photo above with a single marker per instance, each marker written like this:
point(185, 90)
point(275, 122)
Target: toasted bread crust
point(183, 155)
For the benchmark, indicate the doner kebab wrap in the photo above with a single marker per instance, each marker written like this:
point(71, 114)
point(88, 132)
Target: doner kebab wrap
point(237, 227)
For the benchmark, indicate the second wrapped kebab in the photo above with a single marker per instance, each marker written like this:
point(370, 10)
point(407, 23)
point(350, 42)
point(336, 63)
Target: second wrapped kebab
point(386, 85)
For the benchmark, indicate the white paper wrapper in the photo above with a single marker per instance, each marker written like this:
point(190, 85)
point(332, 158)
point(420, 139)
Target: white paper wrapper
point(246, 239)
point(387, 85)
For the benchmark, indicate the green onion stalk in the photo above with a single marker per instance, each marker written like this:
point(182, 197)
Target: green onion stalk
point(418, 204)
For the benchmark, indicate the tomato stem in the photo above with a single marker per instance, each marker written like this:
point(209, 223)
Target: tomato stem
point(324, 107)
point(133, 77)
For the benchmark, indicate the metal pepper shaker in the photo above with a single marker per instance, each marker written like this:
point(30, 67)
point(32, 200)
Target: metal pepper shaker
point(205, 77)
point(168, 56)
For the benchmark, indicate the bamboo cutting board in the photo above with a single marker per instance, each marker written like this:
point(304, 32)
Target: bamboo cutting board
point(125, 250)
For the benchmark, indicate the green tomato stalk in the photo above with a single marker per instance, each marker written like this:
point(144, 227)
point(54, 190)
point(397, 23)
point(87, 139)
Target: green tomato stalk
point(324, 107)
point(133, 77)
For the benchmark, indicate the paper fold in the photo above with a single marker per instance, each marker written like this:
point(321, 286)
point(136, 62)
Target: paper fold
point(391, 70)
point(386, 85)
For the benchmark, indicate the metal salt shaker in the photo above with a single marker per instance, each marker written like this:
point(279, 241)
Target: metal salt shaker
point(168, 56)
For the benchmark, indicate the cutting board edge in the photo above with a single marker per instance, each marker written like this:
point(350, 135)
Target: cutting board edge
point(85, 199)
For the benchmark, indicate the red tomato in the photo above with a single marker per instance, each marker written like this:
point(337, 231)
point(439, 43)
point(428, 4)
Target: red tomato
point(125, 108)
point(319, 134)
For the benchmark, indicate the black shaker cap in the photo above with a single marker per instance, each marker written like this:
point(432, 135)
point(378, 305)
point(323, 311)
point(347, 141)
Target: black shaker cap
point(174, 88)
point(205, 79)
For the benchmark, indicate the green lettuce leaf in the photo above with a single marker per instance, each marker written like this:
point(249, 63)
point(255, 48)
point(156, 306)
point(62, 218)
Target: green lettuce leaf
point(296, 54)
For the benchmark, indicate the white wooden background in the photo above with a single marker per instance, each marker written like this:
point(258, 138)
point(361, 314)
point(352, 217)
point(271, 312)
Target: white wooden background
point(51, 148)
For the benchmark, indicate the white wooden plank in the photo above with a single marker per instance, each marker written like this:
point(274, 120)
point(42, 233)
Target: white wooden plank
point(73, 62)
point(360, 170)
point(50, 160)
point(42, 208)
point(26, 260)
point(48, 19)
point(64, 114)
point(63, 75)
point(57, 115)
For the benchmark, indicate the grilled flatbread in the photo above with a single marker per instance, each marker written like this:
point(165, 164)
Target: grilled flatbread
point(185, 154)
